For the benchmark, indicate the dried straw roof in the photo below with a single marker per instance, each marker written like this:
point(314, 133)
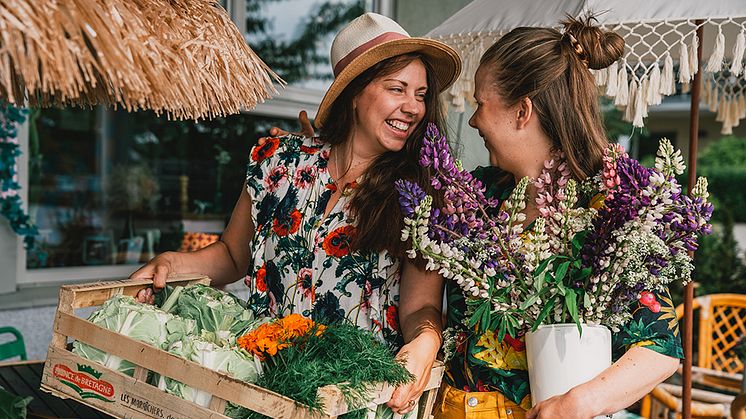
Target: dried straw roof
point(182, 57)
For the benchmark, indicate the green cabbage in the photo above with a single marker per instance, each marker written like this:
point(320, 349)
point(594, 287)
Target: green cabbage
point(126, 316)
point(230, 360)
point(213, 310)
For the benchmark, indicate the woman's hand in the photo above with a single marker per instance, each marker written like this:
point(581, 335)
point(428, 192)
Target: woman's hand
point(306, 129)
point(419, 356)
point(158, 269)
point(627, 380)
point(572, 404)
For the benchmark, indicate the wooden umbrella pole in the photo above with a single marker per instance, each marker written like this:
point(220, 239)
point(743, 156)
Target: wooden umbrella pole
point(689, 289)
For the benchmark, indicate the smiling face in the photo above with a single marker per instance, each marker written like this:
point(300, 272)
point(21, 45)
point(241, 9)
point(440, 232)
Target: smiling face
point(389, 109)
point(495, 122)
point(512, 133)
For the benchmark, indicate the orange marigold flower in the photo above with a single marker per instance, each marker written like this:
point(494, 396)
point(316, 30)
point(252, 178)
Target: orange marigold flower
point(270, 338)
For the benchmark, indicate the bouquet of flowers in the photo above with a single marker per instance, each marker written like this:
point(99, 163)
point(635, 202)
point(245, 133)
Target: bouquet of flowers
point(595, 246)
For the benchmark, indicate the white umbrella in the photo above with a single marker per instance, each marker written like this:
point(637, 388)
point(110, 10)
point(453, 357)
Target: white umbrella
point(656, 34)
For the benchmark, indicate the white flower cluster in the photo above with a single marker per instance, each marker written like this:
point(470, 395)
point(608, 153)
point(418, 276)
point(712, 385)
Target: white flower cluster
point(668, 160)
point(449, 260)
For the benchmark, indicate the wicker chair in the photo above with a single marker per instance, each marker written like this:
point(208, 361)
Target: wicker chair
point(722, 323)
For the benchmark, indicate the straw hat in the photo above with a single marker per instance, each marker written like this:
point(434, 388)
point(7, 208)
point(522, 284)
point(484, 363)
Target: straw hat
point(372, 38)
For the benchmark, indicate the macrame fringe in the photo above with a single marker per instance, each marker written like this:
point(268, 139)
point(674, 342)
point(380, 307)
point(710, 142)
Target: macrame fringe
point(668, 83)
point(739, 48)
point(735, 119)
point(715, 62)
point(629, 113)
point(706, 92)
point(601, 76)
point(684, 74)
point(721, 109)
point(741, 106)
point(612, 79)
point(654, 93)
point(622, 97)
point(693, 63)
point(641, 104)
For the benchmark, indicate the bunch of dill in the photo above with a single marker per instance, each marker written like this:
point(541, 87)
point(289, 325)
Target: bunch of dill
point(343, 355)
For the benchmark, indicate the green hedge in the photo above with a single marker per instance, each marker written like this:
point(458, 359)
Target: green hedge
point(727, 186)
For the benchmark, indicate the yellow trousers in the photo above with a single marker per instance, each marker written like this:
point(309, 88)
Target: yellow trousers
point(453, 403)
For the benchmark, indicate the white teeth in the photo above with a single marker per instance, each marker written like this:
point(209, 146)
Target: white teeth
point(401, 126)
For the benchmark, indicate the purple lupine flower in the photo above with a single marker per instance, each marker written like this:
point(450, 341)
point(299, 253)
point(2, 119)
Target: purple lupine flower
point(410, 196)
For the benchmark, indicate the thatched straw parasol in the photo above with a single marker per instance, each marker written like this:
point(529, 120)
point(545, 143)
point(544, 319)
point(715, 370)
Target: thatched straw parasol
point(182, 57)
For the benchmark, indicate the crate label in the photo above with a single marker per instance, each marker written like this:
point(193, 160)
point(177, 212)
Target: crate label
point(142, 405)
point(86, 381)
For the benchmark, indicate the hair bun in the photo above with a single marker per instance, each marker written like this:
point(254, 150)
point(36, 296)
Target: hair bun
point(601, 47)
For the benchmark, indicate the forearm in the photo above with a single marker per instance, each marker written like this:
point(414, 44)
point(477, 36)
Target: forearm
point(214, 261)
point(420, 314)
point(635, 374)
point(423, 325)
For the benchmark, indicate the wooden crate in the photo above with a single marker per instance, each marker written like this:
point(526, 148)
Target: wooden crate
point(68, 375)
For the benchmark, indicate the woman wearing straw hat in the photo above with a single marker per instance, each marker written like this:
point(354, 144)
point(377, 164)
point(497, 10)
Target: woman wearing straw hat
point(322, 215)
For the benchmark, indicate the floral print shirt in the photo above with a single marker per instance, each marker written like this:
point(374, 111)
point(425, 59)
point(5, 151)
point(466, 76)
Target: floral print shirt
point(482, 363)
point(301, 259)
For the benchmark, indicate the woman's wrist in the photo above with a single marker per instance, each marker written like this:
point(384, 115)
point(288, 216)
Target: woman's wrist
point(427, 341)
point(584, 397)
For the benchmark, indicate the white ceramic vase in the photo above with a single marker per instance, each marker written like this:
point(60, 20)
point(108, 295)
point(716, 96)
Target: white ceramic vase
point(560, 358)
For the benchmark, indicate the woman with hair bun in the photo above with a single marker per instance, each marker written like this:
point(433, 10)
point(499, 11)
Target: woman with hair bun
point(536, 101)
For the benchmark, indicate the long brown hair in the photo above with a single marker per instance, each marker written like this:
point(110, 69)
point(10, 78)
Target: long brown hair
point(551, 69)
point(375, 202)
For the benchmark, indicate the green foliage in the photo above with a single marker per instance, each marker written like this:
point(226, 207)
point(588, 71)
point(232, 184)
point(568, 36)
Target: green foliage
point(342, 351)
point(727, 187)
point(11, 205)
point(724, 164)
point(296, 59)
point(727, 151)
point(718, 268)
point(12, 406)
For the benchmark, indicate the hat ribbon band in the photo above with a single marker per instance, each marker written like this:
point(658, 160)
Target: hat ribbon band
point(380, 39)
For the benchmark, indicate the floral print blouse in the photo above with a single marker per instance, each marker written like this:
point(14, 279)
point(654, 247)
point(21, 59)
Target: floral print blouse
point(301, 260)
point(482, 363)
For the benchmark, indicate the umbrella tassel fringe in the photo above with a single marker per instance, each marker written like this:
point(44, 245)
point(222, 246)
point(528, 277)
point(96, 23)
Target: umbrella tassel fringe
point(684, 74)
point(622, 97)
point(654, 95)
point(667, 83)
point(738, 50)
point(629, 113)
point(612, 80)
point(715, 63)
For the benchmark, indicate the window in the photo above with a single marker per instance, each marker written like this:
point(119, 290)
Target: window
point(110, 189)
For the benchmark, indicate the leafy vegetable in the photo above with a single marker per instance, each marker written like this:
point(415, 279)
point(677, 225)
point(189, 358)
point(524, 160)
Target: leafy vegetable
point(148, 324)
